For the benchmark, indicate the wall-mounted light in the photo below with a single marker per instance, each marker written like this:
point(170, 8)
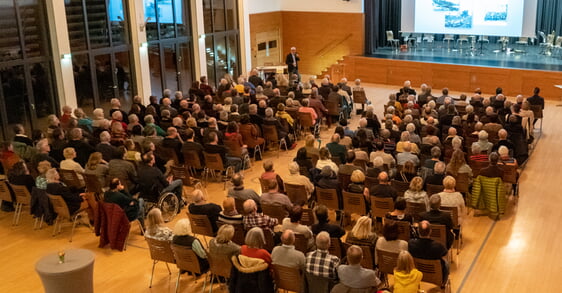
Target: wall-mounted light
point(66, 56)
point(144, 45)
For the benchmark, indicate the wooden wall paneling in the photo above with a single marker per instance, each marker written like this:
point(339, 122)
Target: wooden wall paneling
point(265, 22)
point(455, 77)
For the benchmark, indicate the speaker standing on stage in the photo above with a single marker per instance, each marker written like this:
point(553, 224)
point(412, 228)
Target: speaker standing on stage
point(292, 61)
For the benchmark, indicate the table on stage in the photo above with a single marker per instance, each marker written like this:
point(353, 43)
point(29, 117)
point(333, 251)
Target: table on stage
point(262, 70)
point(75, 274)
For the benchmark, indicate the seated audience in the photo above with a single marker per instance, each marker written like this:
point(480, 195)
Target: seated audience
point(152, 182)
point(297, 179)
point(117, 194)
point(184, 237)
point(407, 278)
point(124, 170)
point(213, 147)
point(399, 212)
point(155, 226)
point(229, 214)
point(41, 179)
point(286, 255)
point(347, 167)
point(438, 174)
point(362, 233)
point(200, 206)
point(270, 174)
point(336, 149)
point(73, 198)
point(438, 217)
point(493, 170)
point(222, 245)
point(458, 165)
point(483, 143)
point(426, 248)
point(407, 155)
point(69, 164)
point(383, 189)
point(275, 198)
point(293, 223)
point(320, 262)
point(238, 192)
point(389, 241)
point(325, 160)
point(253, 246)
point(415, 193)
point(321, 212)
point(353, 275)
point(254, 219)
point(451, 198)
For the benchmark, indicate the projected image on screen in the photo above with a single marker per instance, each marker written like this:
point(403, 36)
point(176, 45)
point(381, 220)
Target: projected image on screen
point(470, 17)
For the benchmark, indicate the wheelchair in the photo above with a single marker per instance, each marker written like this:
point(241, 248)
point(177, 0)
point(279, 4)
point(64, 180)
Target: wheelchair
point(167, 202)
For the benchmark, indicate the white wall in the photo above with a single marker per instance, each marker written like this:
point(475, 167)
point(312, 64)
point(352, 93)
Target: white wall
point(352, 6)
point(261, 6)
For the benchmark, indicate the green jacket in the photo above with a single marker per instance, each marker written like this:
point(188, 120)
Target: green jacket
point(488, 194)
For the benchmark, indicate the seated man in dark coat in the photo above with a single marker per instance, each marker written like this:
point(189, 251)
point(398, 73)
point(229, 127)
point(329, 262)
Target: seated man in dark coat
point(190, 145)
point(214, 148)
point(435, 216)
point(82, 148)
point(438, 174)
point(426, 248)
point(200, 206)
point(336, 149)
point(383, 189)
point(493, 170)
point(119, 196)
point(152, 182)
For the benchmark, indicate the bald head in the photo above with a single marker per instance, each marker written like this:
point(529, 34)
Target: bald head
point(383, 177)
point(288, 237)
point(323, 240)
point(250, 206)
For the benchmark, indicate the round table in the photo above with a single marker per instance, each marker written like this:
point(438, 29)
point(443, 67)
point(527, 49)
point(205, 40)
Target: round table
point(74, 275)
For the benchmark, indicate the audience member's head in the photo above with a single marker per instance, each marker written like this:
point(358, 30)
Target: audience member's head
point(354, 255)
point(323, 240)
point(435, 202)
point(254, 238)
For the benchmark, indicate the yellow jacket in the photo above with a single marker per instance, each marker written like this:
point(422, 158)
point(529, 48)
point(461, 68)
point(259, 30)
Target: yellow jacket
point(407, 282)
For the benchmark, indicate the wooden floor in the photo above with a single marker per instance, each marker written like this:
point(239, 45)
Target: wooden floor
point(521, 252)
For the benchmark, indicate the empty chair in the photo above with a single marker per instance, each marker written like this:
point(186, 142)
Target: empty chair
point(192, 162)
point(462, 39)
point(23, 198)
point(328, 197)
point(428, 38)
point(201, 225)
point(380, 206)
point(522, 41)
point(448, 38)
point(214, 163)
point(296, 193)
point(272, 137)
point(354, 203)
point(391, 40)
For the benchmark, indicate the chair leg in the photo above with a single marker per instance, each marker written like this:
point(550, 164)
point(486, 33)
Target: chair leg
point(152, 274)
point(178, 281)
point(205, 283)
point(211, 283)
point(167, 266)
point(74, 226)
point(55, 226)
point(16, 213)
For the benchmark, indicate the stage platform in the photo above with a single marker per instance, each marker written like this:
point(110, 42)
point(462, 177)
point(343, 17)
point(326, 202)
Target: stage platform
point(459, 70)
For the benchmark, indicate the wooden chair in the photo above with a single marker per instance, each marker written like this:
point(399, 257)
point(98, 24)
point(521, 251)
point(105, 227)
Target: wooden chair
point(362, 164)
point(301, 243)
point(334, 109)
point(219, 266)
point(354, 203)
point(476, 166)
point(182, 172)
point(269, 241)
point(192, 160)
point(160, 250)
point(510, 176)
point(186, 260)
point(60, 207)
point(213, 163)
point(403, 228)
point(5, 194)
point(264, 184)
point(239, 203)
point(432, 189)
point(167, 154)
point(272, 137)
point(23, 198)
point(305, 120)
point(274, 211)
point(439, 234)
point(462, 182)
point(336, 248)
point(371, 181)
point(296, 193)
point(400, 186)
point(454, 211)
point(201, 225)
point(70, 178)
point(414, 209)
point(307, 217)
point(538, 114)
point(386, 262)
point(314, 158)
point(344, 180)
point(359, 97)
point(432, 272)
point(288, 279)
point(93, 185)
point(328, 197)
point(380, 206)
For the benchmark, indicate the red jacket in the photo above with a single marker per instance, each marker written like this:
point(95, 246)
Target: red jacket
point(112, 226)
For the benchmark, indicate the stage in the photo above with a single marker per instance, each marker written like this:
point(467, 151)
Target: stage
point(460, 70)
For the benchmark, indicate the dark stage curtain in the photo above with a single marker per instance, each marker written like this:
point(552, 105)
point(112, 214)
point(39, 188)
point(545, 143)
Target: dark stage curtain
point(549, 16)
point(380, 16)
